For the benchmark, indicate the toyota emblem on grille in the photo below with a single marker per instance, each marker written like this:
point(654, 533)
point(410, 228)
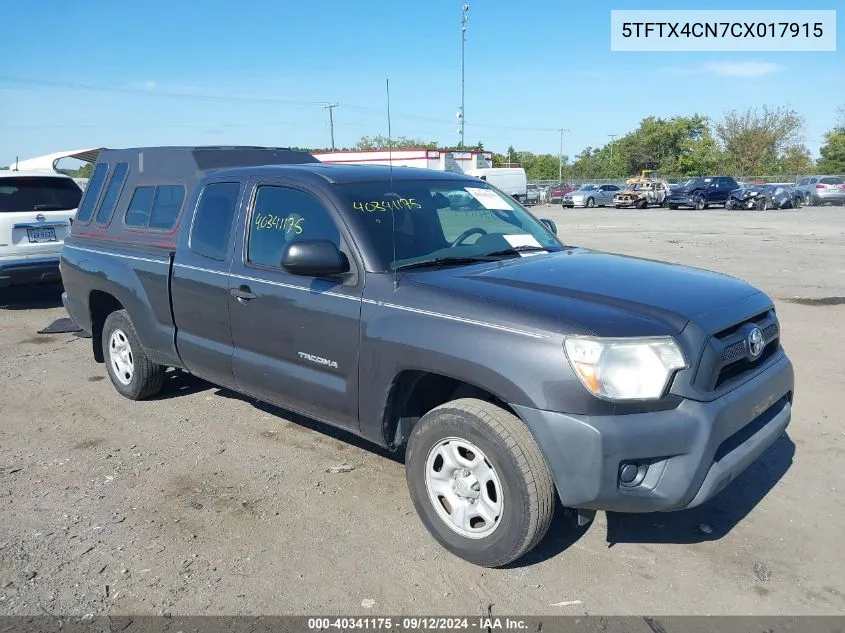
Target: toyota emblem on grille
point(755, 342)
point(40, 217)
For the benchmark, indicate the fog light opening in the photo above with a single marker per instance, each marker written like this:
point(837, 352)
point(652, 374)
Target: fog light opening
point(631, 474)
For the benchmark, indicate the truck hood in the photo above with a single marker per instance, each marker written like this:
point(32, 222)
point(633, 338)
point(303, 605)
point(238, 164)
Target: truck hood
point(605, 293)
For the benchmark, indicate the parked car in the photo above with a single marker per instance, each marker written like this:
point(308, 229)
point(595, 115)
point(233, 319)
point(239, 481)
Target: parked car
point(702, 192)
point(818, 190)
point(642, 192)
point(557, 192)
point(509, 368)
point(532, 195)
point(762, 197)
point(35, 212)
point(588, 195)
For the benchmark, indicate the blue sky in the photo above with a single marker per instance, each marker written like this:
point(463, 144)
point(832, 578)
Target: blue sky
point(111, 74)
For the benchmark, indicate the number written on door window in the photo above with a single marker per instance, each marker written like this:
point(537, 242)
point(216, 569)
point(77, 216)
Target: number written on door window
point(289, 224)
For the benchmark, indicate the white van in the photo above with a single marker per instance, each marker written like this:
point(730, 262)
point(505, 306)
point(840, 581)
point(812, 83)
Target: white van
point(510, 180)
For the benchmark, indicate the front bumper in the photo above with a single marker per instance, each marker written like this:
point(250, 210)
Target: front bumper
point(690, 453)
point(682, 201)
point(28, 270)
point(573, 203)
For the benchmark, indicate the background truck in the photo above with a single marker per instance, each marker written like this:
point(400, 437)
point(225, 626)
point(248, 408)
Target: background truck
point(431, 314)
point(511, 180)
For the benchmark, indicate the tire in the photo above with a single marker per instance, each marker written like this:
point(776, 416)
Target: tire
point(761, 204)
point(729, 205)
point(673, 207)
point(131, 372)
point(809, 201)
point(590, 203)
point(519, 488)
point(700, 205)
point(642, 203)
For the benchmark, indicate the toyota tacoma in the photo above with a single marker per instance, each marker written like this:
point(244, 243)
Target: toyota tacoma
point(431, 314)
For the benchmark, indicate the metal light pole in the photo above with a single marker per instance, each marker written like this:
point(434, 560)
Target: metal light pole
point(329, 107)
point(464, 18)
point(612, 138)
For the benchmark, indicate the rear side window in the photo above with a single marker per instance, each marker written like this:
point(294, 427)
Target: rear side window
point(92, 193)
point(38, 193)
point(211, 231)
point(832, 181)
point(112, 194)
point(155, 207)
point(138, 213)
point(803, 181)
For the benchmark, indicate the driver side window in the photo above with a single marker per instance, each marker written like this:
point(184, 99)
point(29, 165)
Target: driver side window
point(281, 215)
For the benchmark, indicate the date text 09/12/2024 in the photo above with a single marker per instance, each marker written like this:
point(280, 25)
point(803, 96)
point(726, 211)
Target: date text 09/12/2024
point(481, 623)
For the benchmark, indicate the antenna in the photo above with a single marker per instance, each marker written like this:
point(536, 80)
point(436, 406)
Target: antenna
point(392, 209)
point(16, 162)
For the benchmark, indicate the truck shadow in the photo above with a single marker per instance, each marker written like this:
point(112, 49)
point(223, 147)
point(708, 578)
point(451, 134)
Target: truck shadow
point(708, 522)
point(31, 297)
point(179, 383)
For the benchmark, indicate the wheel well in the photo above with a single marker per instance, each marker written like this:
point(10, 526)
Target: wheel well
point(101, 304)
point(415, 393)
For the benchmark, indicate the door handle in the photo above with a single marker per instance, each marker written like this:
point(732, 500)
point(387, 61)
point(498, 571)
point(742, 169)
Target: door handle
point(242, 293)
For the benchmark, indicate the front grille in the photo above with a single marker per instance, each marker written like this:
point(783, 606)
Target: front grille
point(727, 357)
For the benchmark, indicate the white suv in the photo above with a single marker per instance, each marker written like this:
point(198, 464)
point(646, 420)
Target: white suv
point(36, 209)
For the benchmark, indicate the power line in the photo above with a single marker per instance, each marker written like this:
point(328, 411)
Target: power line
point(256, 100)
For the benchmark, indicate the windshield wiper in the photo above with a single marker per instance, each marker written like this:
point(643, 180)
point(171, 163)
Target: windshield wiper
point(516, 249)
point(441, 261)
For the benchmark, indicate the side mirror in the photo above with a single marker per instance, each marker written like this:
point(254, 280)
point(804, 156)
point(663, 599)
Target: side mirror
point(550, 224)
point(313, 258)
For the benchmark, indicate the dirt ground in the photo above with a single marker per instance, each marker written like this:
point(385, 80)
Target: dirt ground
point(203, 502)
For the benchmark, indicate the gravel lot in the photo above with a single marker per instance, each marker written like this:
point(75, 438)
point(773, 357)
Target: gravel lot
point(203, 502)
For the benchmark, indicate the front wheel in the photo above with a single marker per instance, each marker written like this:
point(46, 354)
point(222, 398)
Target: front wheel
point(132, 373)
point(729, 205)
point(479, 482)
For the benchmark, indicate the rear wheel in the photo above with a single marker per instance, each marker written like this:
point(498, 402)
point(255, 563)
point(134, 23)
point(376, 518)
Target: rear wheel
point(479, 482)
point(590, 203)
point(132, 373)
point(729, 205)
point(700, 205)
point(761, 204)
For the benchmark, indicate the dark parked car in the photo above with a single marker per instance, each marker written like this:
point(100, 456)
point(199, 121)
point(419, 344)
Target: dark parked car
point(702, 192)
point(431, 314)
point(762, 197)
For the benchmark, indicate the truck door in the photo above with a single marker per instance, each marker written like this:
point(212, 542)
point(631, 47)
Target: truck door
point(200, 284)
point(296, 338)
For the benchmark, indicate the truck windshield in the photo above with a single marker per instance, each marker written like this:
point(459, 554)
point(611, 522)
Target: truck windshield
point(38, 193)
point(441, 219)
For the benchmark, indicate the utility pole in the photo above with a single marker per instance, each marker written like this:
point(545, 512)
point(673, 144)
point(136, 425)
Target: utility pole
point(330, 107)
point(612, 138)
point(464, 18)
point(560, 158)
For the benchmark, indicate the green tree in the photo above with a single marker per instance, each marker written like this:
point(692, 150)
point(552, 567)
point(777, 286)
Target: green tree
point(796, 159)
point(698, 157)
point(832, 153)
point(380, 142)
point(755, 139)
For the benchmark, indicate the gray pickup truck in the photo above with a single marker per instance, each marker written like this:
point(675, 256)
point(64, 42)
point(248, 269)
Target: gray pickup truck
point(429, 313)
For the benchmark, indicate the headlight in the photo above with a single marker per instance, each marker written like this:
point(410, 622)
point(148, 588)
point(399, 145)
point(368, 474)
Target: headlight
point(624, 368)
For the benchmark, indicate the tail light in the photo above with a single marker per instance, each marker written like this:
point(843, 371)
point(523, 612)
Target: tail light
point(820, 187)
